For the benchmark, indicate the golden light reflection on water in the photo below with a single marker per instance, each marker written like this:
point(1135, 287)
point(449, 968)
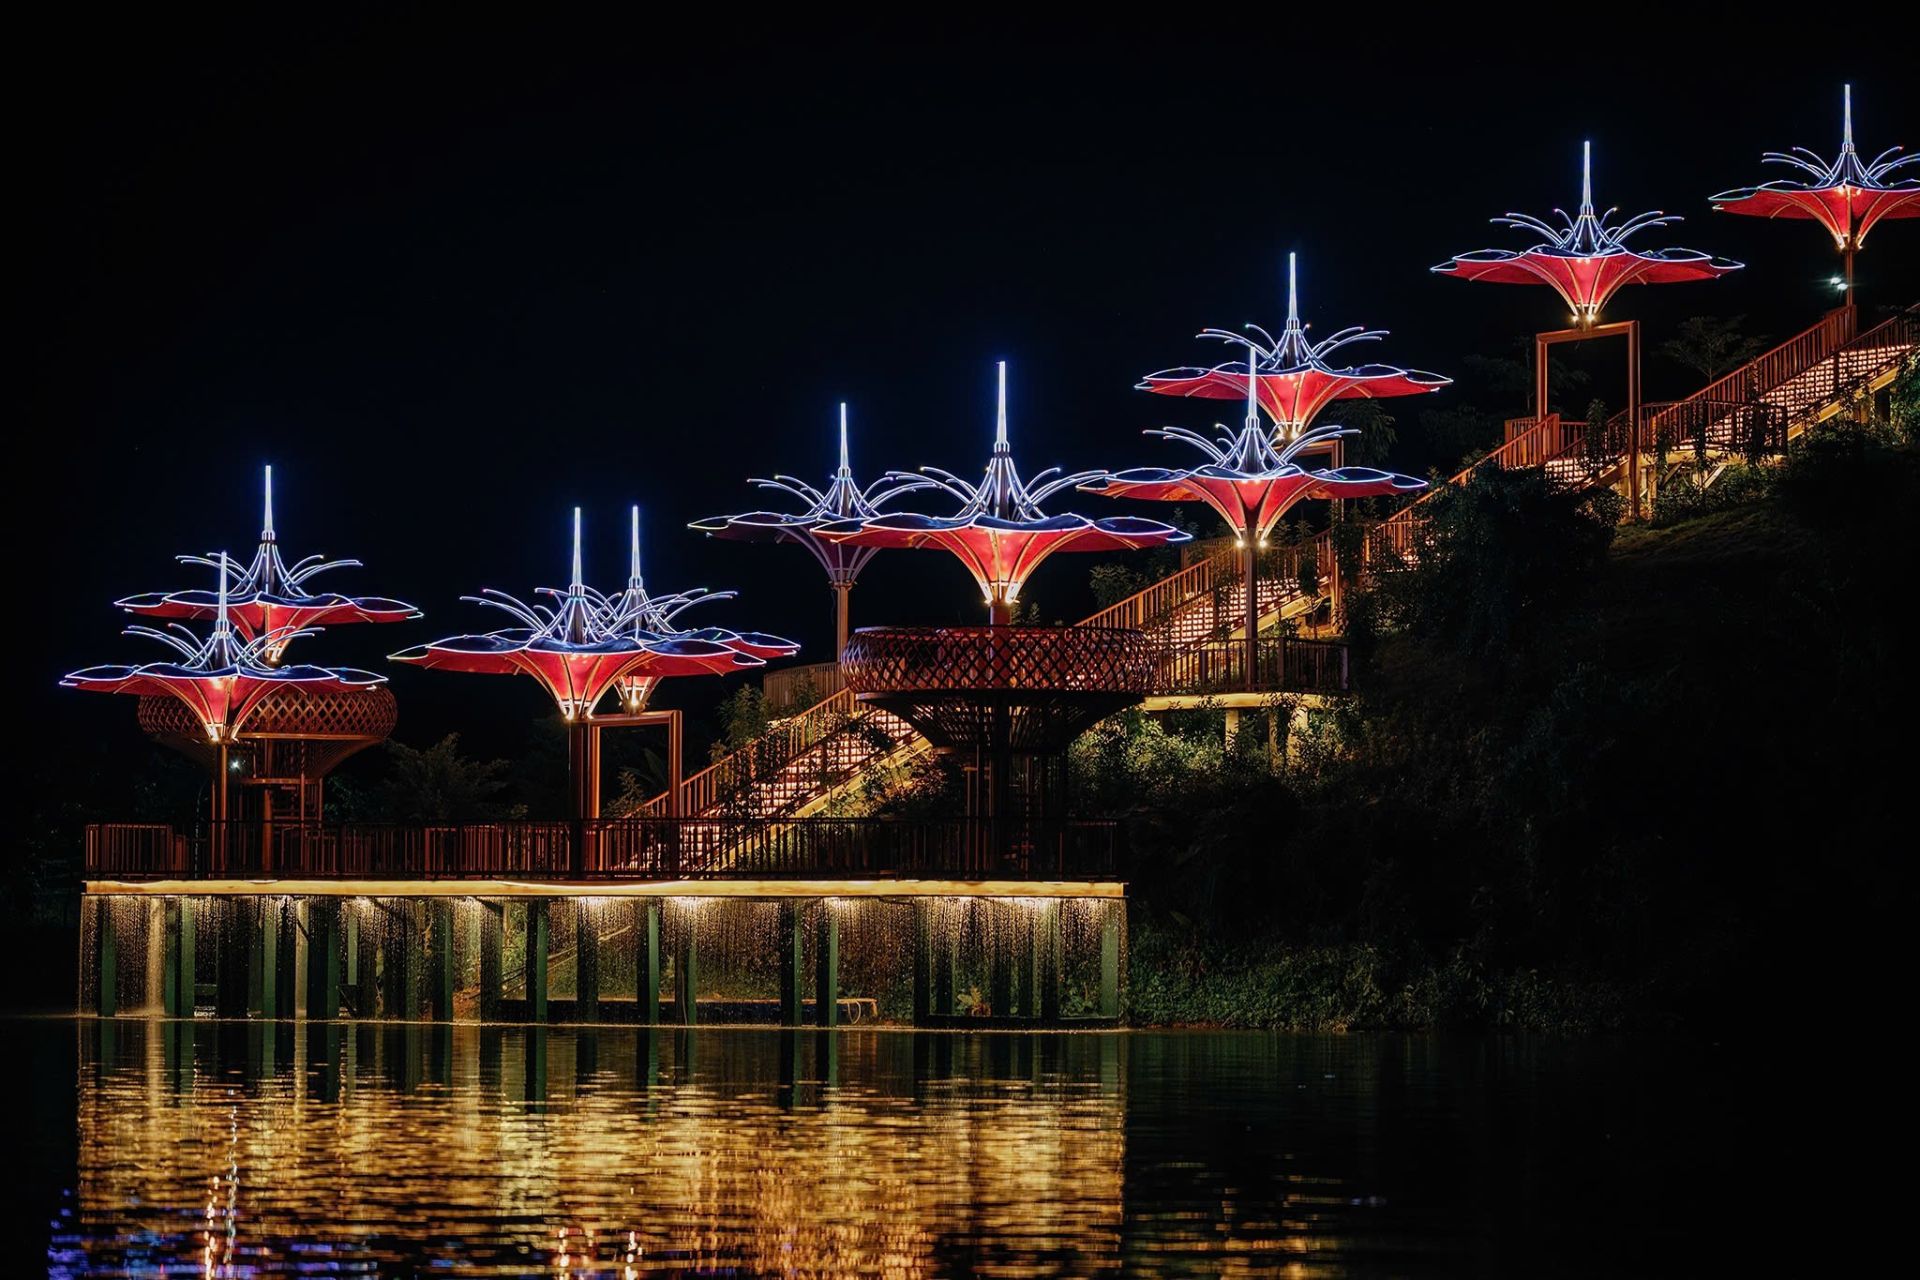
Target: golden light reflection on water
point(602, 1154)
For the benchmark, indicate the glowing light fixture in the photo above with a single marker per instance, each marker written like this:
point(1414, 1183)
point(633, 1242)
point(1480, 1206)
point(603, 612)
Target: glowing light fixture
point(1292, 377)
point(842, 499)
point(223, 679)
point(1000, 533)
point(270, 598)
point(575, 648)
point(1847, 196)
point(651, 618)
point(1587, 260)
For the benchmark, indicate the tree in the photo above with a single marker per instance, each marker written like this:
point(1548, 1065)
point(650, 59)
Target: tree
point(1499, 552)
point(1375, 428)
point(1712, 345)
point(440, 784)
point(1595, 446)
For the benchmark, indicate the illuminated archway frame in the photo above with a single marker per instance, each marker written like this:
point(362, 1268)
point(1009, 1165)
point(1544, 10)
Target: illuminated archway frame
point(1847, 197)
point(1586, 262)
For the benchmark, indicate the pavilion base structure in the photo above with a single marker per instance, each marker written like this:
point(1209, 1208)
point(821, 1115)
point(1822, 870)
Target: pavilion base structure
point(935, 954)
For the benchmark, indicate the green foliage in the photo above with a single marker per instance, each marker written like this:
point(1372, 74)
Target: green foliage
point(1376, 438)
point(1712, 345)
point(1498, 554)
point(1115, 581)
point(744, 718)
point(438, 784)
point(1903, 400)
point(1456, 433)
point(1683, 497)
point(1595, 445)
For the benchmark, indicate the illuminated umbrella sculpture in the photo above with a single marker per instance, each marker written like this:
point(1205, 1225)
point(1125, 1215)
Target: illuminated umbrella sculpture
point(635, 613)
point(1292, 377)
point(222, 680)
point(577, 653)
point(1252, 485)
point(270, 598)
point(842, 499)
point(1000, 532)
point(1586, 261)
point(1846, 197)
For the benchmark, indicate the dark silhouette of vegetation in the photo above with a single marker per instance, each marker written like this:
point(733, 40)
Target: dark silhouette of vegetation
point(435, 784)
point(1712, 345)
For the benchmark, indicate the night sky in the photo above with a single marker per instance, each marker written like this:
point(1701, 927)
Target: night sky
point(452, 280)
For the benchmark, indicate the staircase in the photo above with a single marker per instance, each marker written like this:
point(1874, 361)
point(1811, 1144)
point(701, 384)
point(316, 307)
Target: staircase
point(810, 758)
point(1756, 410)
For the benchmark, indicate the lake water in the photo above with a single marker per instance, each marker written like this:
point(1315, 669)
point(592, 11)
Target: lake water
point(244, 1149)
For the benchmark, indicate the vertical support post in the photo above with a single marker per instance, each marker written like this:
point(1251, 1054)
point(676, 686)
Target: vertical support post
point(646, 977)
point(1026, 961)
point(923, 966)
point(235, 980)
point(826, 975)
point(946, 979)
point(264, 986)
point(999, 959)
point(286, 960)
point(583, 775)
point(184, 967)
point(440, 918)
point(1050, 960)
point(841, 591)
point(537, 938)
point(686, 977)
point(1633, 417)
point(324, 956)
point(792, 961)
point(493, 940)
point(106, 959)
point(586, 963)
point(1111, 925)
point(350, 958)
point(1251, 561)
point(1540, 377)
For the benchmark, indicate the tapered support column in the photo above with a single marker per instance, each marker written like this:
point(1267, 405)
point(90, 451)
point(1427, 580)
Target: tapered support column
point(440, 917)
point(826, 971)
point(792, 962)
point(686, 971)
point(493, 930)
point(1250, 561)
point(841, 590)
point(538, 937)
point(646, 930)
point(106, 959)
point(324, 959)
point(586, 963)
point(1112, 925)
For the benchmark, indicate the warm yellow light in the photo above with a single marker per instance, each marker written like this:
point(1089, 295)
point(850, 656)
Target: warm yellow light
point(689, 889)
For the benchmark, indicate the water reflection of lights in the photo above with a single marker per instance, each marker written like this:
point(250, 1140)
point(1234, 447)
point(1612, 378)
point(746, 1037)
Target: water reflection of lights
point(430, 1153)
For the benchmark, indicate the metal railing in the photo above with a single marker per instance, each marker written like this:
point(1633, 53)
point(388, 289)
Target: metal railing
point(793, 689)
point(1282, 665)
point(609, 849)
